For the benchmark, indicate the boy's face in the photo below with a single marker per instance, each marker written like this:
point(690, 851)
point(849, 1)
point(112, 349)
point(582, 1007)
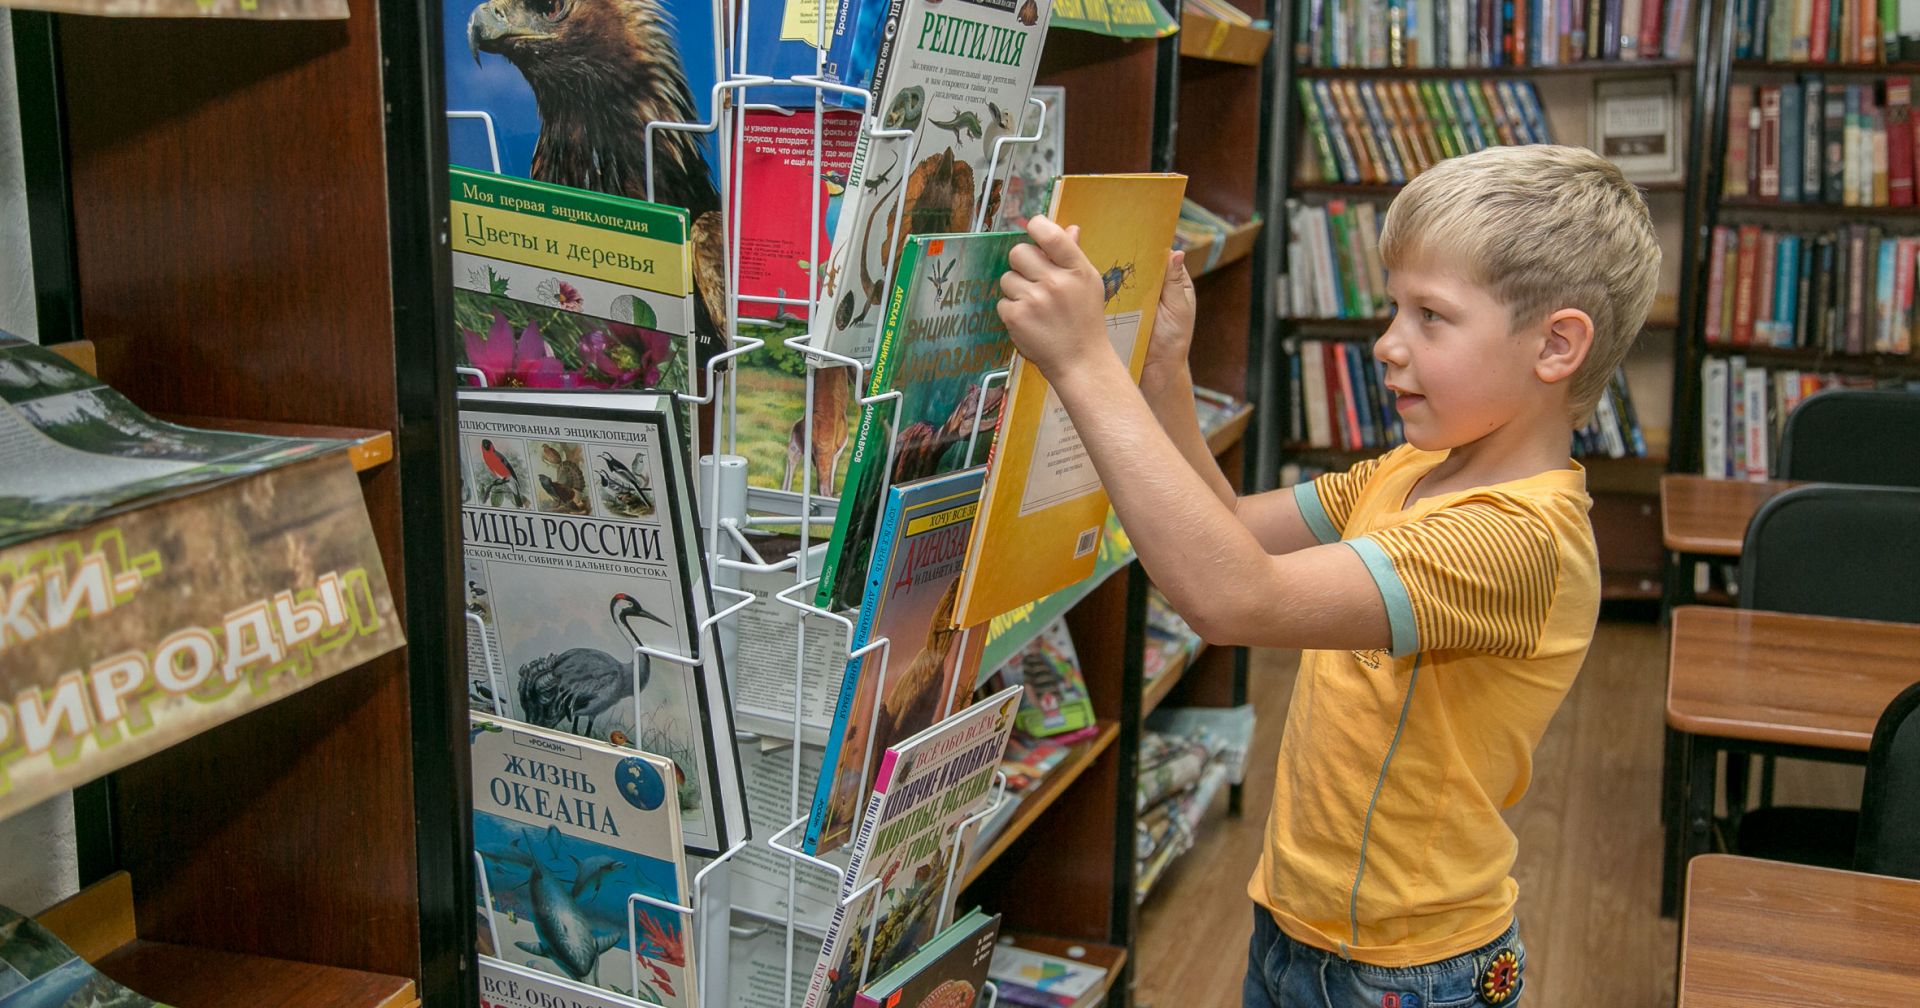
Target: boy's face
point(1455, 365)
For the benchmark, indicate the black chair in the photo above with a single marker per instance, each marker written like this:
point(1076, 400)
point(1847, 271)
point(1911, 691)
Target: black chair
point(1828, 550)
point(1884, 836)
point(1862, 436)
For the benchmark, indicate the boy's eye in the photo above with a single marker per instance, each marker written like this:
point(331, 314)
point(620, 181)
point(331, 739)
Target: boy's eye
point(1430, 315)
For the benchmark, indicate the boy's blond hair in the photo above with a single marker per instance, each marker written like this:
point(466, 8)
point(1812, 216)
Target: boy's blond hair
point(1544, 227)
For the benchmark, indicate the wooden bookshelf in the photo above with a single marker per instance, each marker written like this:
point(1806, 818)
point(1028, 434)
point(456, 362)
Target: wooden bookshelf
point(1080, 757)
point(1162, 685)
point(1112, 958)
point(1227, 436)
point(1750, 204)
point(1851, 69)
point(1390, 189)
point(1811, 359)
point(1585, 68)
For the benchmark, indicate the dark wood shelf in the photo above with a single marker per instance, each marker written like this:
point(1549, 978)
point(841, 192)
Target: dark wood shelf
point(1366, 189)
point(1808, 359)
point(1079, 757)
point(1754, 204)
point(1775, 67)
point(1296, 449)
point(1585, 68)
point(1112, 958)
point(1163, 684)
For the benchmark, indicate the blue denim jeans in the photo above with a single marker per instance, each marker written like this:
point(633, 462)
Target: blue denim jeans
point(1282, 973)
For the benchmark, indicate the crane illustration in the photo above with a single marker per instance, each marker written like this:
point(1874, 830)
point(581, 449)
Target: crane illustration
point(570, 689)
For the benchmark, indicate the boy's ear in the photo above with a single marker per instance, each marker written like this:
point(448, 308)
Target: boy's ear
point(1569, 336)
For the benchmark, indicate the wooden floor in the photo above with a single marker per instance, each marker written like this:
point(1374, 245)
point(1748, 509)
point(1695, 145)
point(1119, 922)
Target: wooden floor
point(1589, 832)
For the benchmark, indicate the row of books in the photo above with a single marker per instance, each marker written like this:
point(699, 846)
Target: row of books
point(1388, 131)
point(1333, 260)
point(1825, 31)
point(1743, 409)
point(1845, 291)
point(1339, 402)
point(1484, 33)
point(1814, 141)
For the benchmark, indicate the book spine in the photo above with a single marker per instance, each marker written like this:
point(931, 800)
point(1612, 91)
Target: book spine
point(1739, 100)
point(1649, 46)
point(1336, 132)
point(1743, 306)
point(1833, 138)
point(1630, 15)
point(1730, 291)
point(1385, 132)
point(1716, 277)
point(1786, 290)
point(1350, 412)
point(1713, 418)
point(1679, 21)
point(1802, 291)
point(1792, 142)
point(1856, 288)
point(1877, 157)
point(1317, 132)
point(1885, 291)
point(1817, 30)
point(1766, 262)
point(1755, 389)
point(1798, 33)
point(1820, 313)
point(1769, 142)
point(1900, 141)
point(1812, 112)
point(1902, 342)
point(1737, 417)
point(1313, 368)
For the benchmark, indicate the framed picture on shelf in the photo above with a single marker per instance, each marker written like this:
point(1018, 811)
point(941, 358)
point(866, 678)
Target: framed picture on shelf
point(1636, 126)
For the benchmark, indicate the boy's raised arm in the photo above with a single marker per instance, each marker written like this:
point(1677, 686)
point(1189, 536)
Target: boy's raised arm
point(1212, 567)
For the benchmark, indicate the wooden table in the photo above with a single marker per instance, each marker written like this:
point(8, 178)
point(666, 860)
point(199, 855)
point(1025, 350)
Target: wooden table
point(1765, 933)
point(1740, 680)
point(1700, 516)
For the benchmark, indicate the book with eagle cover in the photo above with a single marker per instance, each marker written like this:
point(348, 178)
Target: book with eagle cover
point(942, 336)
point(567, 830)
point(946, 974)
point(1044, 506)
point(909, 839)
point(579, 542)
point(955, 75)
point(928, 665)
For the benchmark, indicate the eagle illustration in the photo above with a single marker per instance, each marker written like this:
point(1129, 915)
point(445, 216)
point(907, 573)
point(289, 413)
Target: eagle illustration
point(600, 71)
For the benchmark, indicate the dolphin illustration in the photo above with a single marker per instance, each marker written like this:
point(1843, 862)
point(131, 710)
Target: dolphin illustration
point(592, 870)
point(566, 936)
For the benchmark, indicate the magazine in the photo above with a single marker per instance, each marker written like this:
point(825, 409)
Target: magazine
point(943, 337)
point(954, 73)
point(73, 450)
point(568, 830)
point(763, 667)
point(38, 970)
point(580, 544)
point(909, 839)
point(946, 974)
point(927, 665)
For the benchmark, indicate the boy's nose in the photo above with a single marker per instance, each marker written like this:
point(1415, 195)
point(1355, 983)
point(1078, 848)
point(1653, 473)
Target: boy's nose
point(1388, 349)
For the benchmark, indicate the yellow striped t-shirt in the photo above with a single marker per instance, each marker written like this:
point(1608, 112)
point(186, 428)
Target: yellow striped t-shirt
point(1385, 841)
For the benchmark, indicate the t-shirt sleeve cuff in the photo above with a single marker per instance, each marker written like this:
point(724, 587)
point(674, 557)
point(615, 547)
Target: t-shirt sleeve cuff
point(1318, 523)
point(1393, 591)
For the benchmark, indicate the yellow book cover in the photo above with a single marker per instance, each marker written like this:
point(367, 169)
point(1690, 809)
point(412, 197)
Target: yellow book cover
point(1043, 505)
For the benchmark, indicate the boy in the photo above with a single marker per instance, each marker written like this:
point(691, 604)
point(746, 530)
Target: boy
point(1446, 591)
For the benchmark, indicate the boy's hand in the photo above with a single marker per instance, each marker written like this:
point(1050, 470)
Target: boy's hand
point(1054, 305)
point(1172, 329)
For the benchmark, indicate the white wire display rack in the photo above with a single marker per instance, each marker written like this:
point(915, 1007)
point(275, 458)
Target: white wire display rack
point(729, 509)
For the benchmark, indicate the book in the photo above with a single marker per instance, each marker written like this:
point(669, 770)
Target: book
point(504, 985)
point(38, 970)
point(580, 545)
point(1715, 458)
point(531, 255)
point(536, 94)
point(1030, 168)
point(767, 663)
point(568, 830)
point(947, 973)
point(926, 786)
point(1037, 980)
point(956, 76)
point(1044, 506)
point(942, 337)
point(1634, 127)
point(788, 204)
point(1056, 700)
point(926, 669)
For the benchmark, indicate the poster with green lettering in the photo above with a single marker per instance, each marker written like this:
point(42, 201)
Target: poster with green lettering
point(149, 626)
point(910, 841)
point(954, 76)
point(568, 831)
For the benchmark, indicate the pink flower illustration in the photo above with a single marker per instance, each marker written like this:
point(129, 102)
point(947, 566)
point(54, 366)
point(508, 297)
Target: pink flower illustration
point(511, 361)
point(623, 355)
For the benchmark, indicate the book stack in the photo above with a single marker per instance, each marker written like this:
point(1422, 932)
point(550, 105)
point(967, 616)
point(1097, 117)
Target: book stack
point(1844, 291)
point(1614, 429)
point(1743, 409)
point(1185, 757)
point(1339, 401)
point(1169, 639)
point(1476, 33)
point(1825, 31)
point(1387, 131)
point(1814, 141)
point(1333, 257)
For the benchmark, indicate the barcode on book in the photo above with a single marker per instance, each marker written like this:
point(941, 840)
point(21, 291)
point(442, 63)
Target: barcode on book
point(1087, 541)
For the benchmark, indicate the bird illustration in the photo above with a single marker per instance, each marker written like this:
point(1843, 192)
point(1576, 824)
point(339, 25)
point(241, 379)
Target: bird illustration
point(600, 71)
point(565, 499)
point(626, 491)
point(965, 125)
point(498, 464)
point(474, 589)
point(569, 690)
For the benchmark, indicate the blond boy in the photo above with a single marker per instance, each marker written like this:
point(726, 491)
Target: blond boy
point(1445, 593)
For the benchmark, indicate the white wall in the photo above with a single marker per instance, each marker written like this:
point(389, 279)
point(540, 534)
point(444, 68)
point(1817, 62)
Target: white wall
point(37, 864)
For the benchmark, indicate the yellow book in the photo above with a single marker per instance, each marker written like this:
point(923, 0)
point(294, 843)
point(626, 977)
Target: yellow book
point(1043, 506)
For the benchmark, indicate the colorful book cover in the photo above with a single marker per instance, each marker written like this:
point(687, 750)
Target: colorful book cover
point(946, 974)
point(1033, 978)
point(530, 256)
point(38, 970)
point(956, 78)
point(926, 787)
point(942, 337)
point(928, 666)
point(546, 92)
point(1043, 506)
point(1056, 700)
point(789, 203)
point(580, 545)
point(568, 830)
point(1031, 167)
